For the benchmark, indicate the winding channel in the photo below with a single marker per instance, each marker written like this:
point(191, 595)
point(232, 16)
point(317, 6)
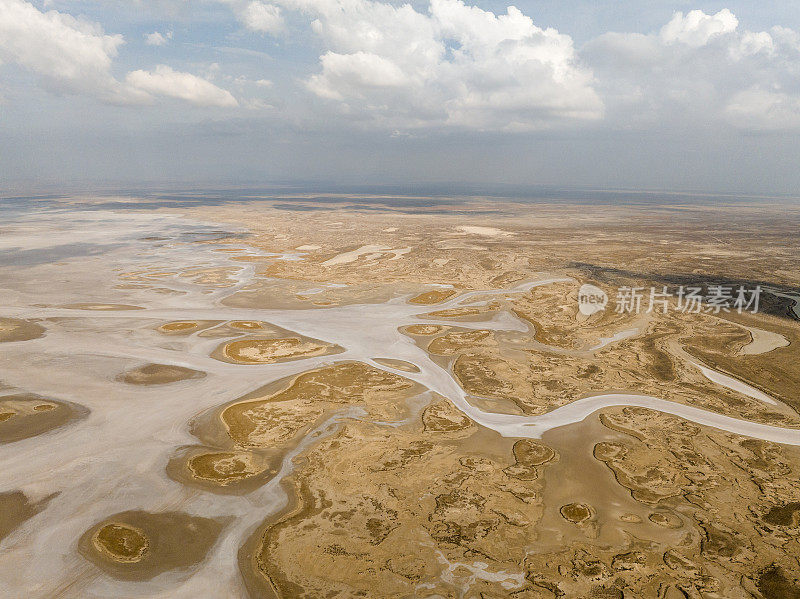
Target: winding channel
point(115, 459)
point(367, 330)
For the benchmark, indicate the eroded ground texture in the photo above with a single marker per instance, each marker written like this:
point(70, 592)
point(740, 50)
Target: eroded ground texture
point(286, 395)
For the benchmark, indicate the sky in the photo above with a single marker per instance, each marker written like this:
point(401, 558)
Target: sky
point(608, 94)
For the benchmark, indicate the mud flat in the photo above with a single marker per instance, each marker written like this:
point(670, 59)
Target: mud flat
point(26, 415)
point(576, 411)
point(185, 327)
point(229, 472)
point(483, 231)
point(138, 545)
point(159, 374)
point(245, 441)
point(735, 384)
point(423, 330)
point(268, 419)
point(14, 329)
point(435, 296)
point(16, 508)
point(763, 342)
point(102, 307)
point(409, 527)
point(353, 255)
point(353, 443)
point(272, 350)
point(397, 364)
point(246, 325)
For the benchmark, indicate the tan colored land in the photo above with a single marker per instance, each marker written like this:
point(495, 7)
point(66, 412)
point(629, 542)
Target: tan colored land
point(268, 351)
point(159, 374)
point(397, 364)
point(268, 420)
point(433, 297)
point(138, 545)
point(763, 342)
point(437, 456)
point(246, 325)
point(451, 506)
point(185, 327)
point(423, 329)
point(441, 506)
point(24, 415)
point(16, 508)
point(14, 329)
point(244, 441)
point(102, 307)
point(235, 472)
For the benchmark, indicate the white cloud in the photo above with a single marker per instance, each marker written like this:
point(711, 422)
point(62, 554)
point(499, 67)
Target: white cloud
point(699, 70)
point(763, 110)
point(75, 56)
point(456, 66)
point(164, 81)
point(450, 64)
point(157, 39)
point(696, 28)
point(242, 81)
point(69, 55)
point(355, 75)
point(258, 16)
point(257, 104)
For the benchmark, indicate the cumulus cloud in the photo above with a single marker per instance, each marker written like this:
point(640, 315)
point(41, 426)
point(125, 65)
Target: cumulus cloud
point(258, 16)
point(164, 81)
point(700, 70)
point(157, 39)
point(68, 54)
point(449, 64)
point(455, 65)
point(458, 65)
point(75, 56)
point(764, 110)
point(697, 28)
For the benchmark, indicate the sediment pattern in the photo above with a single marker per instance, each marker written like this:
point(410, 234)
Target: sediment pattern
point(323, 403)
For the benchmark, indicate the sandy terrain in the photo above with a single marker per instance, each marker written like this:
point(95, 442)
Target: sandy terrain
point(211, 402)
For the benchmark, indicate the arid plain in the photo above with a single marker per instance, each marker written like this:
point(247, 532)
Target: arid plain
point(371, 396)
